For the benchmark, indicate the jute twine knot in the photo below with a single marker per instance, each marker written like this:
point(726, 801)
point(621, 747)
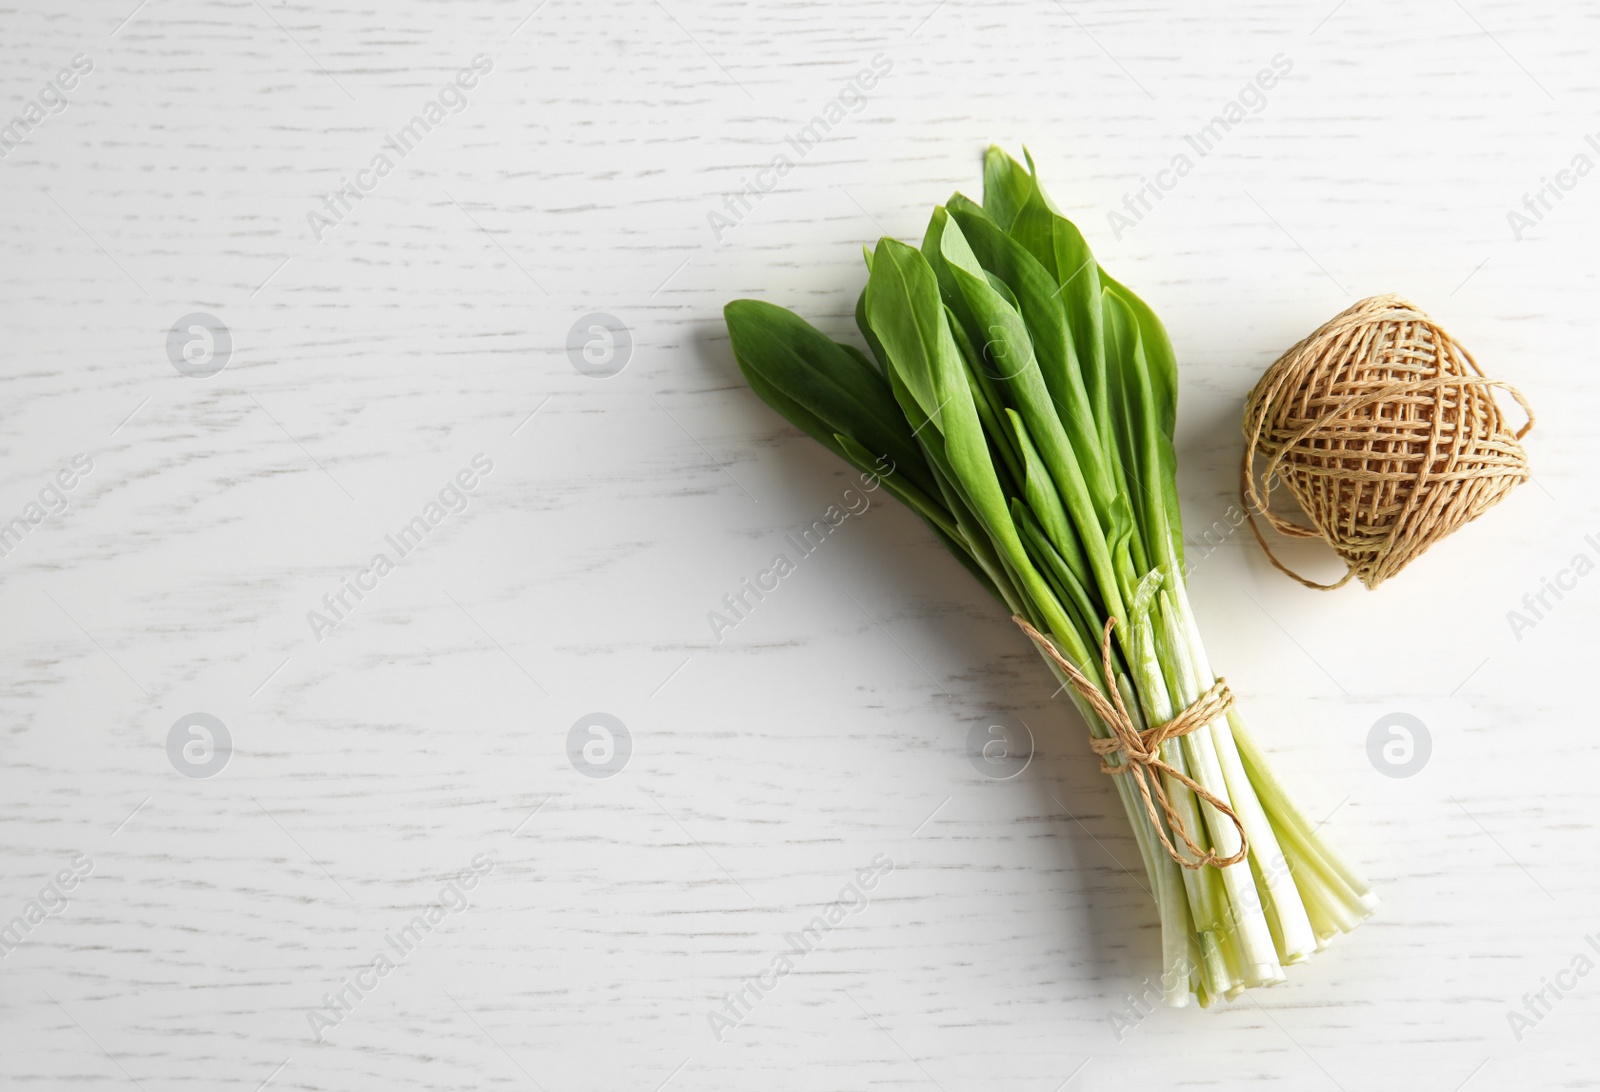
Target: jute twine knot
point(1141, 751)
point(1386, 432)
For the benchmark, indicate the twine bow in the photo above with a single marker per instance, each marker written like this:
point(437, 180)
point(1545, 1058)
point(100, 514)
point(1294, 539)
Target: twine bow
point(1141, 751)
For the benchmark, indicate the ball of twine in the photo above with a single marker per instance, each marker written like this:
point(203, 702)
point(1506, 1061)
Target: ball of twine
point(1386, 432)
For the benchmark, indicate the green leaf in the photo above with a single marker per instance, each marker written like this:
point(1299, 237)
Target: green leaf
point(822, 387)
point(1064, 253)
point(1033, 291)
point(1161, 363)
point(898, 486)
point(1045, 504)
point(1147, 455)
point(866, 331)
point(1008, 348)
point(976, 542)
point(1006, 187)
point(991, 408)
point(1069, 589)
point(906, 314)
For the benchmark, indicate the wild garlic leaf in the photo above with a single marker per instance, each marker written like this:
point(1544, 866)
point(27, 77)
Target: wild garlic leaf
point(1060, 248)
point(821, 386)
point(906, 313)
point(1045, 503)
point(1006, 187)
point(1008, 349)
point(1033, 291)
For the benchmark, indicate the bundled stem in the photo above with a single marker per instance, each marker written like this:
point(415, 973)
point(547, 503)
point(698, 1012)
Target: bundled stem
point(1026, 401)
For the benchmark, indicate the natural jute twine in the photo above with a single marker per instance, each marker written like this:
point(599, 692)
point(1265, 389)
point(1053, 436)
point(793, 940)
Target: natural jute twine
point(1141, 751)
point(1385, 430)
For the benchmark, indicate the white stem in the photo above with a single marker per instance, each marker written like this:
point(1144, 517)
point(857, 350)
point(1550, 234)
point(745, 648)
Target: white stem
point(1177, 926)
point(1291, 819)
point(1247, 922)
point(1297, 940)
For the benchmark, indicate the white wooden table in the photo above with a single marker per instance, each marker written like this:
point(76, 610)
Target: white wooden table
point(378, 343)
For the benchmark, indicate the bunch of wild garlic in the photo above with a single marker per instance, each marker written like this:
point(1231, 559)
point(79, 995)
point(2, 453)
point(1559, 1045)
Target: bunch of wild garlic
point(1026, 401)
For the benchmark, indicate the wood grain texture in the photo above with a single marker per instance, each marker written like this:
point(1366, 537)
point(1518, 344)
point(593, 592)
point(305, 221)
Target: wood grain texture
point(430, 727)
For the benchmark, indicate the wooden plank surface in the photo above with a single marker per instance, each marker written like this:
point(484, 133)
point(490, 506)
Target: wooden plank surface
point(613, 158)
